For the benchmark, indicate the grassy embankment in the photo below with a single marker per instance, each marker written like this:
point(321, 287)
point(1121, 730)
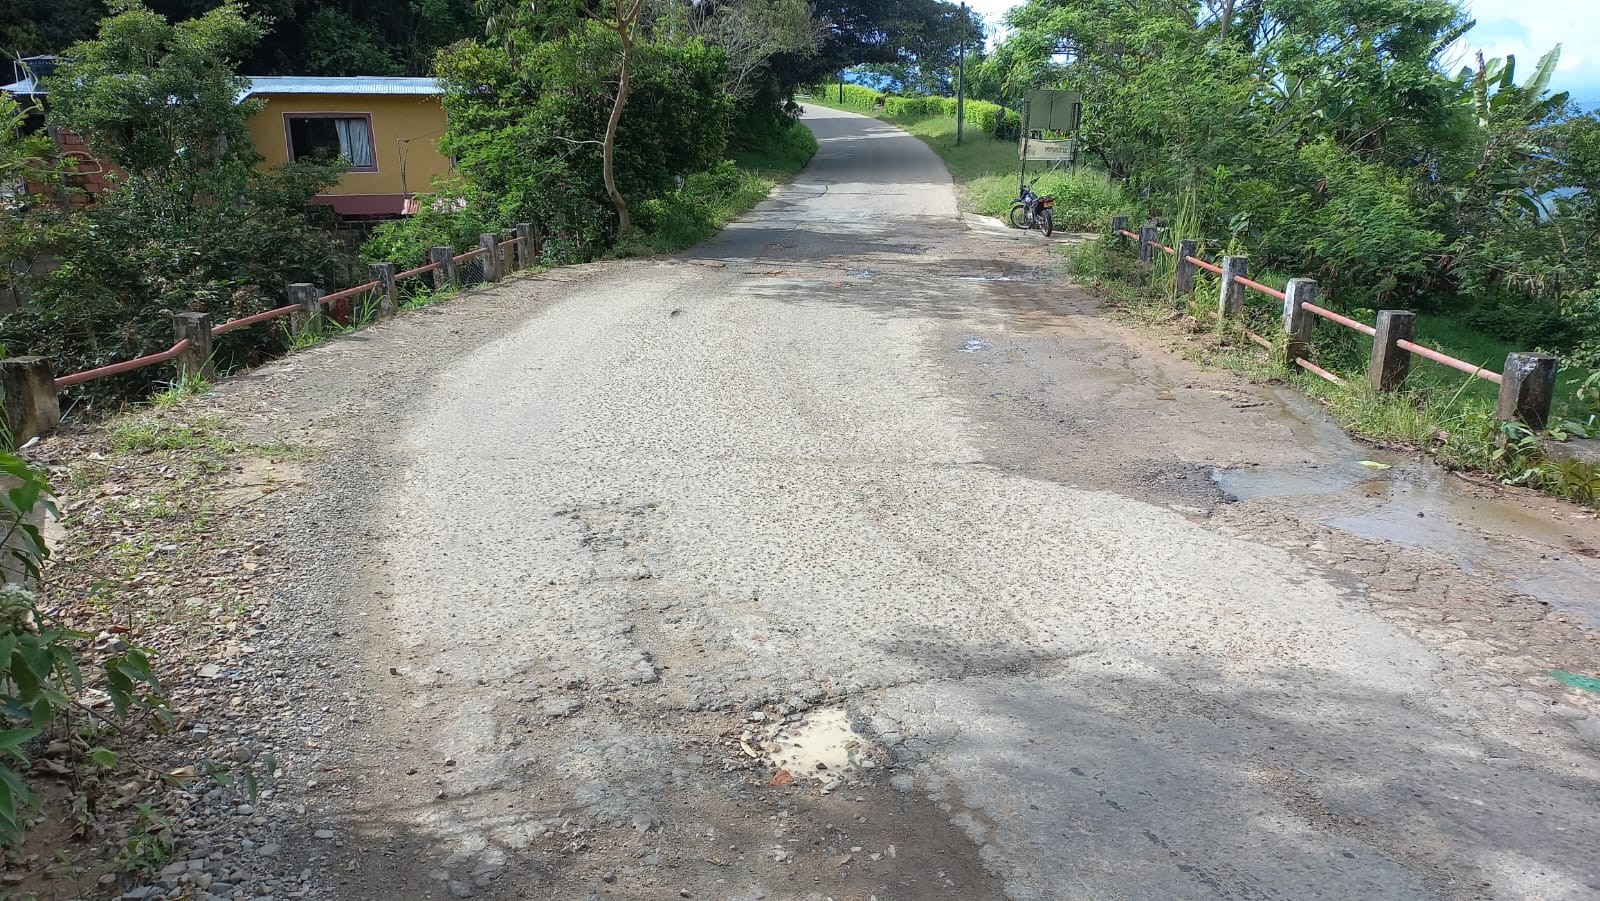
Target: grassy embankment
point(709, 200)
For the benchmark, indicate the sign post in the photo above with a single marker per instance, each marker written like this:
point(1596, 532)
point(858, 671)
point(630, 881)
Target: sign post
point(1054, 116)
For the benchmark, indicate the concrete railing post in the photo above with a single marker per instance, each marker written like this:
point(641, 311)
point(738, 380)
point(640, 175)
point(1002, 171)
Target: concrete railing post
point(525, 255)
point(1297, 321)
point(31, 406)
point(1391, 363)
point(536, 233)
point(388, 289)
point(1183, 274)
point(1147, 243)
point(196, 361)
point(1527, 388)
point(508, 254)
point(491, 256)
point(1118, 223)
point(445, 276)
point(308, 319)
point(1230, 301)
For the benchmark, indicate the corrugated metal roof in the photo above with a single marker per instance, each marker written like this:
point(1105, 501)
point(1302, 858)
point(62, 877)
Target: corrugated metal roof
point(361, 84)
point(307, 84)
point(25, 86)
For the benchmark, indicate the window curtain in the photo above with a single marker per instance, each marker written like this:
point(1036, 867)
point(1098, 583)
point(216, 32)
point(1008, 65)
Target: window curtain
point(355, 141)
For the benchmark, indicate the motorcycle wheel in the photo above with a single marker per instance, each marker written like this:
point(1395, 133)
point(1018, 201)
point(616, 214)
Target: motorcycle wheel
point(1018, 216)
point(1048, 223)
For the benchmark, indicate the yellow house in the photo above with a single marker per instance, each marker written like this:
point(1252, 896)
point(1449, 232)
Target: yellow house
point(387, 128)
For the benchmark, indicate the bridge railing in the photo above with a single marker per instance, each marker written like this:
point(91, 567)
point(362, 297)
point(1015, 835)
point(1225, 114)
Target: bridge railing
point(31, 390)
point(1526, 383)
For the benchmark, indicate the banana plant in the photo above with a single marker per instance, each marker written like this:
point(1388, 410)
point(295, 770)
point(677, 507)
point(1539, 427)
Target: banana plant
point(1493, 91)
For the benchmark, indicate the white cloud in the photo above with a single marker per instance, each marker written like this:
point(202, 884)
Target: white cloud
point(994, 14)
point(1529, 28)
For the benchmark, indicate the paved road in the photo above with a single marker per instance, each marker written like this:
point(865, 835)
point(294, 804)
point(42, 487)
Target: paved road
point(865, 465)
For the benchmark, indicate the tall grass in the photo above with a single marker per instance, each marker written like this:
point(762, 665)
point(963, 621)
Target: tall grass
point(709, 200)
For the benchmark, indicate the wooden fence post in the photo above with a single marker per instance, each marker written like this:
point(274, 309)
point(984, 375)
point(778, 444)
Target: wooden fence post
point(445, 275)
point(1183, 275)
point(1118, 223)
point(196, 361)
point(1297, 322)
point(308, 320)
point(1391, 363)
point(388, 289)
point(1230, 301)
point(31, 405)
point(1527, 388)
point(491, 256)
point(1147, 243)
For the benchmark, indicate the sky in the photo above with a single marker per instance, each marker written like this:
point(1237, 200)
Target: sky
point(1527, 28)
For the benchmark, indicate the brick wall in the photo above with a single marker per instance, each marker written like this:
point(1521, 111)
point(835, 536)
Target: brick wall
point(90, 179)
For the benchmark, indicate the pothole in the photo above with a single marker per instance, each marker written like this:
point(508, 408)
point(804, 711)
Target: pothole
point(821, 746)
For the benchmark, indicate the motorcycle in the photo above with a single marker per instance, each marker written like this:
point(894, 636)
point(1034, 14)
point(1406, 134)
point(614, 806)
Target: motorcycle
point(1030, 210)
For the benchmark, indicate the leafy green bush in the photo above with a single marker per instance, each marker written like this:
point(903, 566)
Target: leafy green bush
point(443, 219)
point(39, 671)
point(898, 107)
point(850, 96)
point(1527, 322)
point(786, 150)
point(984, 115)
point(525, 122)
point(1353, 225)
point(694, 212)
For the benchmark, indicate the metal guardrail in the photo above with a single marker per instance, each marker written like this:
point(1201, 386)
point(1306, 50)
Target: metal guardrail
point(326, 301)
point(78, 378)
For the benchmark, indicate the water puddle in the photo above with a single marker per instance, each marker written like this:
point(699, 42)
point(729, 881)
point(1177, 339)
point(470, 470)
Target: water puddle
point(1482, 537)
point(973, 345)
point(862, 273)
point(1413, 505)
point(1248, 484)
point(821, 746)
point(984, 278)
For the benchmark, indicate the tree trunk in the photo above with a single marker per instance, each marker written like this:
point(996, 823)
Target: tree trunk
point(608, 146)
point(1227, 19)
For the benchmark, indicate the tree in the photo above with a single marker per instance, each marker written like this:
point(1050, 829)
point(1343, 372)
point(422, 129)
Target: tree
point(754, 33)
point(530, 107)
point(156, 98)
point(560, 18)
point(190, 221)
point(304, 37)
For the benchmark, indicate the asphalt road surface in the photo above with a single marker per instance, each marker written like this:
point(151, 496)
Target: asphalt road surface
point(853, 554)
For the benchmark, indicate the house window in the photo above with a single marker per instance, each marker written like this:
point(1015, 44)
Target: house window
point(328, 137)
